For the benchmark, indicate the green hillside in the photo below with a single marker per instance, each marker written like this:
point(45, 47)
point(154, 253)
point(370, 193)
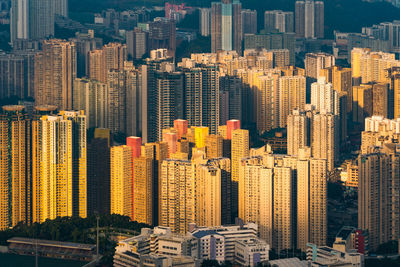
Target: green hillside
point(342, 15)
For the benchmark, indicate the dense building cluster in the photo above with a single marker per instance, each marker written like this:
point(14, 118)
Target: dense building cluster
point(227, 154)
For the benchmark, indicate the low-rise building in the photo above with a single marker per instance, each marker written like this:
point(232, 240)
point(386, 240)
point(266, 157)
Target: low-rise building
point(251, 252)
point(211, 245)
point(231, 234)
point(327, 256)
point(289, 262)
point(350, 239)
point(157, 247)
point(234, 243)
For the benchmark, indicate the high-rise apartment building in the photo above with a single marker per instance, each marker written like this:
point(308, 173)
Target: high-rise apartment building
point(92, 97)
point(268, 196)
point(123, 100)
point(135, 85)
point(292, 95)
point(205, 21)
point(283, 205)
point(135, 144)
point(33, 19)
point(116, 84)
point(226, 26)
point(278, 20)
point(240, 149)
point(249, 21)
point(231, 125)
point(258, 205)
point(276, 96)
point(378, 189)
point(158, 61)
point(208, 195)
point(98, 173)
point(162, 35)
point(19, 20)
point(310, 19)
point(210, 96)
point(362, 102)
point(300, 18)
point(59, 165)
point(270, 41)
point(324, 98)
point(137, 43)
point(202, 96)
point(298, 131)
point(319, 19)
point(158, 152)
point(17, 75)
point(214, 146)
point(121, 181)
point(193, 96)
point(312, 202)
point(143, 188)
point(110, 57)
point(378, 181)
point(170, 100)
point(370, 66)
point(379, 131)
point(232, 98)
point(177, 208)
point(15, 171)
point(380, 97)
point(85, 42)
point(61, 7)
point(315, 62)
point(200, 135)
point(170, 136)
point(265, 197)
point(325, 136)
point(265, 98)
point(55, 71)
point(393, 75)
point(320, 131)
point(340, 78)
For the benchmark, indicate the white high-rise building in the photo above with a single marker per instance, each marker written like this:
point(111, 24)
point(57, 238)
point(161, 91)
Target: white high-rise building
point(19, 21)
point(34, 19)
point(41, 18)
point(324, 98)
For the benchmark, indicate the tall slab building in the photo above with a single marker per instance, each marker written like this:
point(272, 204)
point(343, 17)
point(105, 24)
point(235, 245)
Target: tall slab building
point(59, 165)
point(34, 19)
point(14, 167)
point(226, 26)
point(310, 19)
point(55, 71)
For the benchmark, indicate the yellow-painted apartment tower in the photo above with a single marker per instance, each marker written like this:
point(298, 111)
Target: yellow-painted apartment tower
point(59, 165)
point(121, 180)
point(14, 174)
